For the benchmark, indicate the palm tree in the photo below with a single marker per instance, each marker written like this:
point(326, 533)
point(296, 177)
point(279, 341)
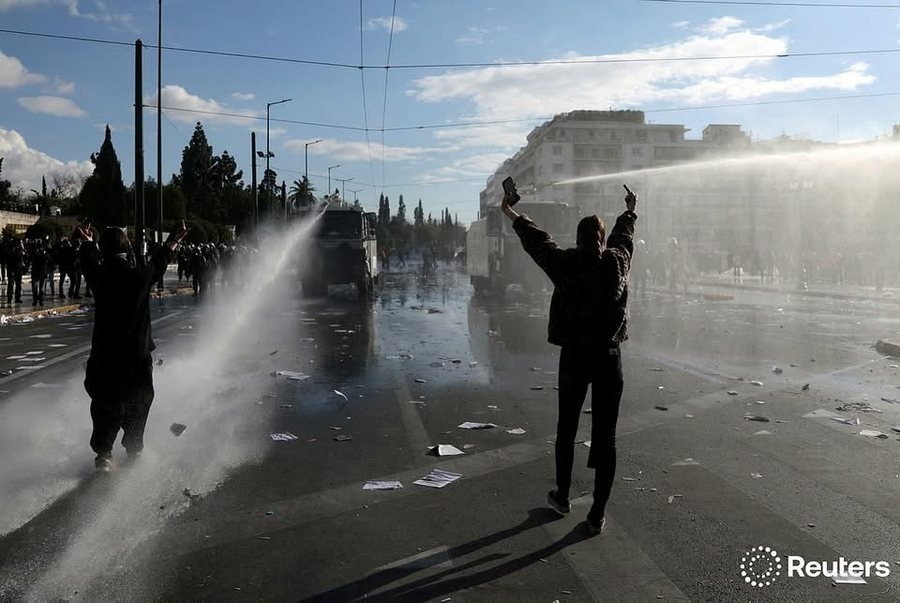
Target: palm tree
point(302, 193)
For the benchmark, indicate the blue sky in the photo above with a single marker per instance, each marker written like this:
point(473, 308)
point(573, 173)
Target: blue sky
point(56, 96)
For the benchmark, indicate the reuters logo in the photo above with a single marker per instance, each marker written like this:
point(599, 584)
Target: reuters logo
point(760, 566)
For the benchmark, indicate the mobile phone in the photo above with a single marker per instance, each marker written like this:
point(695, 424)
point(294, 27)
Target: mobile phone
point(509, 187)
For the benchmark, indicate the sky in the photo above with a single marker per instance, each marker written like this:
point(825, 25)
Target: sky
point(56, 96)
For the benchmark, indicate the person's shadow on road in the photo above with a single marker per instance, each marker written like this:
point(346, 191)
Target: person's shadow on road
point(445, 582)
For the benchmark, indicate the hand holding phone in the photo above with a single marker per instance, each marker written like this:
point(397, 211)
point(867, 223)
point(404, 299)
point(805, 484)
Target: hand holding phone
point(630, 198)
point(509, 191)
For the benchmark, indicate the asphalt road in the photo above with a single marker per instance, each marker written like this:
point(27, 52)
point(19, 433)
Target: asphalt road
point(698, 484)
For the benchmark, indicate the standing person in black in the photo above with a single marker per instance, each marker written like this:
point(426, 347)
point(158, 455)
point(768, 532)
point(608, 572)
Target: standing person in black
point(64, 255)
point(587, 320)
point(39, 260)
point(16, 261)
point(119, 374)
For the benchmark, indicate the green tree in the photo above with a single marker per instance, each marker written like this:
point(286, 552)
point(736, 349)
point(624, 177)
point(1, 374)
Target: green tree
point(401, 211)
point(196, 161)
point(302, 193)
point(226, 188)
point(419, 216)
point(4, 185)
point(103, 194)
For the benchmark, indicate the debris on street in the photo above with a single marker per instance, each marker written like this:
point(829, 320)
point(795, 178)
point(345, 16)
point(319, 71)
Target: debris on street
point(342, 395)
point(342, 437)
point(382, 485)
point(515, 431)
point(857, 407)
point(444, 450)
point(438, 478)
point(871, 433)
point(177, 428)
point(475, 425)
point(282, 437)
point(290, 375)
point(759, 418)
point(846, 421)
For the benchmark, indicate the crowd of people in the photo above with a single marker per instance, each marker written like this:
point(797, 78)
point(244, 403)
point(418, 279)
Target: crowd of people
point(208, 265)
point(44, 260)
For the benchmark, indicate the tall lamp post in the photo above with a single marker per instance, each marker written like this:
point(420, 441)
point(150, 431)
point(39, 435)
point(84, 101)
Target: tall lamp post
point(329, 176)
point(343, 182)
point(270, 154)
point(354, 191)
point(306, 158)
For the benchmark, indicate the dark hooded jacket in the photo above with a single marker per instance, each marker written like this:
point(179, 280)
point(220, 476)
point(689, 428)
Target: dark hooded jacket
point(120, 357)
point(590, 290)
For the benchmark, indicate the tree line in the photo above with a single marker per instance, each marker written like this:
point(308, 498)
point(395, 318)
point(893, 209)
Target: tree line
point(209, 192)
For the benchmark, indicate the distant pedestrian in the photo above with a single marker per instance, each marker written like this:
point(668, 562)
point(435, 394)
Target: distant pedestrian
point(119, 373)
point(39, 260)
point(587, 319)
point(16, 262)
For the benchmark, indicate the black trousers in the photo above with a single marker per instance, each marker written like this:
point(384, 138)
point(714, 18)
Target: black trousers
point(127, 412)
point(600, 367)
point(13, 285)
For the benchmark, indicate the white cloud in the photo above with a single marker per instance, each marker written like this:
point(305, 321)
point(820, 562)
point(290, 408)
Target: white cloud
point(101, 13)
point(508, 93)
point(13, 74)
point(24, 166)
point(63, 87)
point(352, 150)
point(681, 24)
point(474, 35)
point(198, 108)
point(8, 4)
point(473, 166)
point(720, 25)
point(52, 105)
point(385, 23)
point(774, 26)
point(243, 96)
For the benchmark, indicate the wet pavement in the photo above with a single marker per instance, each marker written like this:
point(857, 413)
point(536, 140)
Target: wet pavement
point(367, 388)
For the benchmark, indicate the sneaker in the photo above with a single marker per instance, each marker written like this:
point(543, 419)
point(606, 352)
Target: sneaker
point(102, 464)
point(595, 528)
point(560, 506)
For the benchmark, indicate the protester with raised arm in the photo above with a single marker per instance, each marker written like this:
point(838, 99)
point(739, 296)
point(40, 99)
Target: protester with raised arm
point(587, 320)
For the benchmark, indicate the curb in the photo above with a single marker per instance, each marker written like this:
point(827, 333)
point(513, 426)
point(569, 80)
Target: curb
point(790, 291)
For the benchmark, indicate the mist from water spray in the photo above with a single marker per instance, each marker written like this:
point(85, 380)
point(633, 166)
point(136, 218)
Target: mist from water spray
point(211, 385)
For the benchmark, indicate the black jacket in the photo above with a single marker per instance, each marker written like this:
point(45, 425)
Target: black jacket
point(121, 345)
point(590, 291)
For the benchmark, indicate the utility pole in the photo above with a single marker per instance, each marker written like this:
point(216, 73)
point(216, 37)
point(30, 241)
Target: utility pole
point(343, 182)
point(138, 153)
point(159, 182)
point(253, 184)
point(268, 155)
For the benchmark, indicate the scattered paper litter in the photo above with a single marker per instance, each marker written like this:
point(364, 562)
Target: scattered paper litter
point(417, 402)
point(760, 402)
point(475, 425)
point(731, 392)
point(537, 387)
point(757, 418)
point(382, 485)
point(848, 579)
point(656, 369)
point(661, 407)
point(756, 475)
point(177, 428)
point(444, 450)
point(342, 395)
point(586, 443)
point(757, 383)
point(847, 421)
point(342, 437)
point(777, 370)
point(688, 416)
point(857, 407)
point(57, 345)
point(282, 437)
point(871, 433)
point(438, 478)
point(763, 432)
point(291, 375)
point(515, 431)
point(420, 381)
point(629, 479)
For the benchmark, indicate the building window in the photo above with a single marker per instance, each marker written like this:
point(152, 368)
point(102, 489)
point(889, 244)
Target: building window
point(557, 168)
point(637, 152)
point(557, 149)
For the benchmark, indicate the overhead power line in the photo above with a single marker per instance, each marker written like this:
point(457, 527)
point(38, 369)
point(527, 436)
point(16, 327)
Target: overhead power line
point(387, 63)
point(582, 61)
point(362, 78)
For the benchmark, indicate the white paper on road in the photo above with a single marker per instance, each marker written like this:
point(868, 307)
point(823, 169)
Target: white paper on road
point(515, 431)
point(292, 375)
point(869, 433)
point(757, 383)
point(45, 385)
point(35, 353)
point(341, 395)
point(382, 485)
point(32, 359)
point(15, 357)
point(63, 345)
point(848, 579)
point(438, 478)
point(853, 421)
point(41, 336)
point(445, 450)
point(475, 425)
point(282, 437)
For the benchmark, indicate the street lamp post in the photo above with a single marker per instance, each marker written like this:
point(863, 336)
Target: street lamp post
point(269, 154)
point(354, 191)
point(343, 182)
point(329, 176)
point(306, 158)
